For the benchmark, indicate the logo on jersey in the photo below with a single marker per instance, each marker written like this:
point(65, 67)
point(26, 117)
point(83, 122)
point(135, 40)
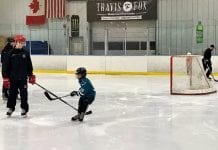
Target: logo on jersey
point(24, 56)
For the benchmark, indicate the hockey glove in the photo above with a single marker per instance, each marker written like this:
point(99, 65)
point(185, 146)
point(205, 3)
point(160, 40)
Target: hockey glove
point(32, 79)
point(6, 83)
point(74, 93)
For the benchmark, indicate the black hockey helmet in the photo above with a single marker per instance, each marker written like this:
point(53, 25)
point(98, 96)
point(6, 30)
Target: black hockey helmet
point(82, 71)
point(10, 39)
point(212, 46)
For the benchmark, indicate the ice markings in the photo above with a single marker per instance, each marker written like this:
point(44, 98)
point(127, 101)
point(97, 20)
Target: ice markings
point(123, 99)
point(43, 121)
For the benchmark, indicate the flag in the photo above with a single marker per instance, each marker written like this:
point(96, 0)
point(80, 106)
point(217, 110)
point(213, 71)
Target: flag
point(55, 8)
point(36, 14)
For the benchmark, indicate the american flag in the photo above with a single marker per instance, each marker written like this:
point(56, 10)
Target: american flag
point(55, 8)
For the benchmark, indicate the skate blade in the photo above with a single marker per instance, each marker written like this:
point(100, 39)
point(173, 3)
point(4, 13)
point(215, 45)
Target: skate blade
point(8, 116)
point(74, 120)
point(24, 116)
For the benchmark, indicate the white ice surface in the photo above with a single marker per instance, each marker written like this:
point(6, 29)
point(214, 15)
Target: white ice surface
point(130, 113)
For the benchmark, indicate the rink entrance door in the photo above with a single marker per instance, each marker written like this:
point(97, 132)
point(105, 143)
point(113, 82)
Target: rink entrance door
point(123, 38)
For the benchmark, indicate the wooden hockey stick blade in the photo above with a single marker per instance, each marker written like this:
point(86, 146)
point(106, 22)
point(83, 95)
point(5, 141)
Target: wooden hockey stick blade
point(52, 99)
point(211, 74)
point(55, 98)
point(214, 78)
point(60, 99)
point(47, 96)
point(89, 112)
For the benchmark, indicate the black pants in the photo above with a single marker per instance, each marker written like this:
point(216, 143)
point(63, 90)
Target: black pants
point(22, 86)
point(84, 102)
point(207, 65)
point(5, 92)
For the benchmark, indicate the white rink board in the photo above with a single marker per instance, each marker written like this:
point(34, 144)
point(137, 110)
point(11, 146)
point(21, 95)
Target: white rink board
point(126, 64)
point(49, 62)
point(109, 63)
point(94, 63)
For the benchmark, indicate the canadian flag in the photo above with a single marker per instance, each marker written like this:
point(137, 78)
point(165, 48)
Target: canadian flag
point(36, 14)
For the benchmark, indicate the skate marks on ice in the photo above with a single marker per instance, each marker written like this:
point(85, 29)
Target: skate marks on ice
point(128, 113)
point(132, 109)
point(127, 109)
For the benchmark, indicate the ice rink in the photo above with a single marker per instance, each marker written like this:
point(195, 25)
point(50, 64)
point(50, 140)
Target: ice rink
point(129, 113)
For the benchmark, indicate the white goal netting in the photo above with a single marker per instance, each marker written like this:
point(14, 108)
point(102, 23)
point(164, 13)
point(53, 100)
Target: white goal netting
point(187, 76)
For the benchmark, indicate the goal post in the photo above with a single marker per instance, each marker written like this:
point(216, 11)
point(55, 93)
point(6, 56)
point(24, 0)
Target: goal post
point(187, 76)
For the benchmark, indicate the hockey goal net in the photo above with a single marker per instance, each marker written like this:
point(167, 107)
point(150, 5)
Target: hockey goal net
point(187, 76)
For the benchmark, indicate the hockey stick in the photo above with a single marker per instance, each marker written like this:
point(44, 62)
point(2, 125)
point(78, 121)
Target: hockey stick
point(52, 99)
point(214, 78)
point(211, 74)
point(87, 113)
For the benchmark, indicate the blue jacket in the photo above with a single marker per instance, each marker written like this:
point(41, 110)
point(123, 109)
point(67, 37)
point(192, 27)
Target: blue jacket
point(87, 89)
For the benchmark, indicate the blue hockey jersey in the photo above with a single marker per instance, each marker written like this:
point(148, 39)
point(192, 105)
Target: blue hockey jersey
point(86, 89)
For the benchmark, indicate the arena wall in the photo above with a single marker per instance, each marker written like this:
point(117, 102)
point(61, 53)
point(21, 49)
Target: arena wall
point(174, 31)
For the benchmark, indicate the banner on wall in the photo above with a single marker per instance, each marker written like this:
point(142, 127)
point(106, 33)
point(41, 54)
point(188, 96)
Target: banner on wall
point(199, 33)
point(36, 14)
point(101, 10)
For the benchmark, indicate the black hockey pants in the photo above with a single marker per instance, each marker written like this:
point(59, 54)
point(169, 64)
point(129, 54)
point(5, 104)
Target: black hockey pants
point(22, 86)
point(207, 65)
point(84, 102)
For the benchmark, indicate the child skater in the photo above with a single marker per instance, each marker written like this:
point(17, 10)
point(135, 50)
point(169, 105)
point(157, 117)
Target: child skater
point(86, 93)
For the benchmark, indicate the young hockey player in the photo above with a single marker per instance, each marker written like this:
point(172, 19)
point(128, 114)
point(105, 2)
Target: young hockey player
point(86, 92)
point(4, 56)
point(17, 69)
point(207, 60)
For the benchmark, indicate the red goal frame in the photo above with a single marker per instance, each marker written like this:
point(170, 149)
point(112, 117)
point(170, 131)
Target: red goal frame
point(210, 90)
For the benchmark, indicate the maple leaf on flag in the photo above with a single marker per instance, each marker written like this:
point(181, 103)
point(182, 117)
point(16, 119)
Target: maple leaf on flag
point(34, 6)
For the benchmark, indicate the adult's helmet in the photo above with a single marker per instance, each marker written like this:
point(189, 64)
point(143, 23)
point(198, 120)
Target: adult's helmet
point(82, 71)
point(19, 38)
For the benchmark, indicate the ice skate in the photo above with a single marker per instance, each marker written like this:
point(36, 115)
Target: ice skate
point(23, 113)
point(9, 112)
point(81, 116)
point(75, 118)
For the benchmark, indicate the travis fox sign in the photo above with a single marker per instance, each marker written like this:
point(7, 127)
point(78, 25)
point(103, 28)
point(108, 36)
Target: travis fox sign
point(99, 10)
